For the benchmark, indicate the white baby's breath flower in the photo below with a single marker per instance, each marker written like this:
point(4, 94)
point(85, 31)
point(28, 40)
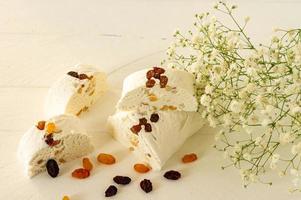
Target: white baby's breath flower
point(296, 149)
point(236, 106)
point(205, 100)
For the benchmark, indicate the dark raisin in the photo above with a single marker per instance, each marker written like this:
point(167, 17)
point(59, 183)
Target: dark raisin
point(154, 117)
point(111, 191)
point(142, 121)
point(52, 168)
point(49, 140)
point(148, 127)
point(150, 74)
point(150, 83)
point(146, 185)
point(136, 129)
point(163, 81)
point(73, 74)
point(122, 180)
point(172, 175)
point(83, 76)
point(159, 70)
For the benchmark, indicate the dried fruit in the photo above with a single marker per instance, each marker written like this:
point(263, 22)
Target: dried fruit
point(146, 185)
point(73, 74)
point(189, 158)
point(50, 128)
point(81, 173)
point(136, 128)
point(163, 81)
point(150, 74)
point(50, 141)
point(159, 70)
point(41, 125)
point(66, 198)
point(141, 168)
point(142, 121)
point(150, 83)
point(152, 97)
point(87, 164)
point(52, 168)
point(154, 117)
point(122, 180)
point(148, 127)
point(172, 175)
point(83, 76)
point(107, 159)
point(111, 191)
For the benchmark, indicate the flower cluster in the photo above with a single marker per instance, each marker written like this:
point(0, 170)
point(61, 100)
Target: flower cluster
point(252, 91)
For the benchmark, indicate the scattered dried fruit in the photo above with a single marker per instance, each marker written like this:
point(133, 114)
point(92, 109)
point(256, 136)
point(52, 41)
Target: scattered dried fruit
point(146, 185)
point(152, 97)
point(150, 74)
point(83, 76)
point(150, 83)
point(148, 127)
point(66, 198)
point(111, 191)
point(81, 173)
point(107, 159)
point(136, 128)
point(141, 168)
point(189, 158)
point(73, 74)
point(142, 121)
point(163, 81)
point(41, 125)
point(122, 180)
point(159, 70)
point(87, 164)
point(52, 168)
point(154, 117)
point(172, 175)
point(50, 128)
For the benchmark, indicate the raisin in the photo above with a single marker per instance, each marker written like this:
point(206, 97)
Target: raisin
point(50, 128)
point(142, 121)
point(122, 180)
point(172, 175)
point(52, 168)
point(136, 128)
point(49, 140)
point(157, 76)
point(159, 70)
point(163, 81)
point(87, 164)
point(148, 127)
point(73, 74)
point(146, 185)
point(141, 168)
point(189, 158)
point(41, 125)
point(154, 117)
point(150, 74)
point(150, 83)
point(107, 159)
point(83, 76)
point(111, 191)
point(81, 173)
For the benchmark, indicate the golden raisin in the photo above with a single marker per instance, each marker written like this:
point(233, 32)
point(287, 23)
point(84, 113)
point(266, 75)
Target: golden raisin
point(81, 173)
point(66, 198)
point(87, 164)
point(50, 128)
point(152, 97)
point(107, 159)
point(41, 125)
point(189, 158)
point(141, 168)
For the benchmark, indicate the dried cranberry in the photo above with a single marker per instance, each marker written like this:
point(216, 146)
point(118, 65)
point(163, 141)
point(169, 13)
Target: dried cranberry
point(159, 70)
point(148, 127)
point(172, 175)
point(146, 185)
point(52, 168)
point(150, 83)
point(142, 121)
point(150, 74)
point(73, 74)
point(111, 191)
point(154, 117)
point(163, 81)
point(122, 180)
point(83, 76)
point(136, 129)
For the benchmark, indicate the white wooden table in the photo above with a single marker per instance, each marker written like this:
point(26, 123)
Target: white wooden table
point(40, 39)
